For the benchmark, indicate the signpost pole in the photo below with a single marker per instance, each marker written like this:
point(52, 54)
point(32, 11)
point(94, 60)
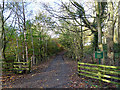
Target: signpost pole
point(99, 74)
point(99, 56)
point(99, 61)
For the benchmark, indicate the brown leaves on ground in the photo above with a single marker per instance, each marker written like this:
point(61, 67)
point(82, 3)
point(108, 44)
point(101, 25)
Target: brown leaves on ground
point(77, 81)
point(7, 80)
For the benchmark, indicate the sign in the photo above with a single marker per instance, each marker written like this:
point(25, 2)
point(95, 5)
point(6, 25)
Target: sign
point(98, 54)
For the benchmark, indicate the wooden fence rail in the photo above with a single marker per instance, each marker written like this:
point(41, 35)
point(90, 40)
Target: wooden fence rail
point(19, 67)
point(7, 68)
point(104, 73)
point(16, 67)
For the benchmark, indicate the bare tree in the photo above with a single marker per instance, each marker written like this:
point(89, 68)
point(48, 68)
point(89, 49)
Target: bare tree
point(33, 57)
point(4, 19)
point(119, 30)
point(99, 21)
point(0, 35)
point(17, 40)
point(3, 31)
point(110, 35)
point(24, 32)
point(0, 48)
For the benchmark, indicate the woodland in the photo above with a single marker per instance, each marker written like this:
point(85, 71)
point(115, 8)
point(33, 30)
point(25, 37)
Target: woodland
point(81, 29)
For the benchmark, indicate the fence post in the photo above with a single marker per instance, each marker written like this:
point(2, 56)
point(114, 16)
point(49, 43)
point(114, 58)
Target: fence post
point(79, 68)
point(99, 75)
point(118, 86)
point(29, 65)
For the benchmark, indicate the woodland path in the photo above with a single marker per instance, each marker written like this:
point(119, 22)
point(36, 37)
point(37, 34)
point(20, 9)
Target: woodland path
point(55, 76)
point(58, 73)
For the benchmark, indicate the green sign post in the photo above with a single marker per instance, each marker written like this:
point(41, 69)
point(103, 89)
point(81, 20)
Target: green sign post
point(99, 55)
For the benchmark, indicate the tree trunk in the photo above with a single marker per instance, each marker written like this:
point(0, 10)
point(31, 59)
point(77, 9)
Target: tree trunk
point(98, 15)
point(46, 48)
point(118, 62)
point(18, 18)
point(81, 42)
point(24, 27)
point(33, 57)
point(43, 48)
point(0, 50)
point(40, 46)
point(110, 41)
point(95, 42)
point(17, 54)
point(0, 38)
point(3, 34)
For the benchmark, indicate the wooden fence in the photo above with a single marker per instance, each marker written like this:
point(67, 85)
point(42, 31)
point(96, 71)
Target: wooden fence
point(19, 67)
point(15, 67)
point(7, 68)
point(104, 73)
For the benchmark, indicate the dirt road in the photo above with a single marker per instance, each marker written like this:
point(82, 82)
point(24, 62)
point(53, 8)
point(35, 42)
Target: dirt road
point(55, 76)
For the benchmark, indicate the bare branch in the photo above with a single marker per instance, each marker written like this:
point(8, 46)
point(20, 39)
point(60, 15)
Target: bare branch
point(8, 16)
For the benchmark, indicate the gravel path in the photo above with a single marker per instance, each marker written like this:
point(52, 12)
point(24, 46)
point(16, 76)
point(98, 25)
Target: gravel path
point(55, 76)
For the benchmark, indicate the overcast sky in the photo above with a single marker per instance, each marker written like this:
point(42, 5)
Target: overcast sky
point(35, 6)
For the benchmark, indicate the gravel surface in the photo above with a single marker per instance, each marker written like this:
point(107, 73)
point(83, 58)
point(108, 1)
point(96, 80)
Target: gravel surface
point(55, 76)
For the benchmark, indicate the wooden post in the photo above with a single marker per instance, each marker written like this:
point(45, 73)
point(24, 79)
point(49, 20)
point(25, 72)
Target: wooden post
point(99, 73)
point(29, 64)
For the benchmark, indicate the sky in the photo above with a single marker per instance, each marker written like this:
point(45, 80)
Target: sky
point(36, 7)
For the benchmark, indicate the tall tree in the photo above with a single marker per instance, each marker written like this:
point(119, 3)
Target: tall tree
point(4, 19)
point(17, 40)
point(31, 31)
point(119, 31)
point(0, 47)
point(18, 13)
point(0, 34)
point(99, 21)
point(81, 42)
point(110, 34)
point(24, 32)
point(3, 31)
